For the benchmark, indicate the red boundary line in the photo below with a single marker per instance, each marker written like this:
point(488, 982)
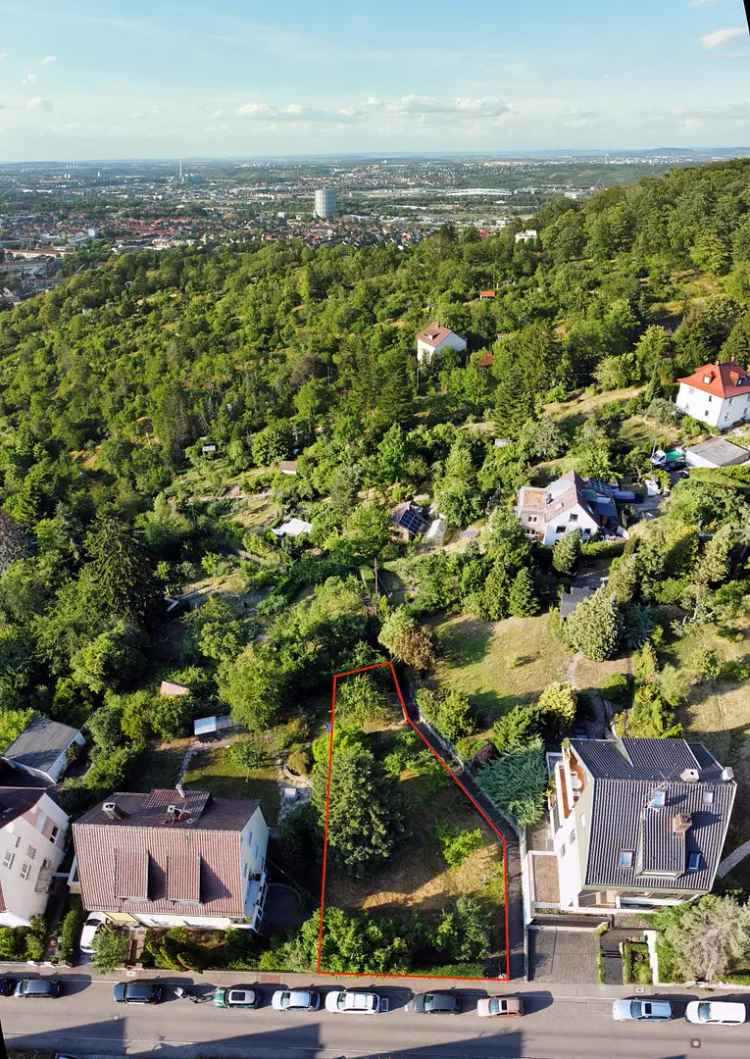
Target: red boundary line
point(446, 768)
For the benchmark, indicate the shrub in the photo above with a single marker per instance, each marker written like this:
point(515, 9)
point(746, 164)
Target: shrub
point(70, 931)
point(110, 949)
point(299, 761)
point(456, 845)
point(449, 712)
point(516, 782)
point(11, 942)
point(594, 626)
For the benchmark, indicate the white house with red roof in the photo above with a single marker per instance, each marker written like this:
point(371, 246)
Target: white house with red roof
point(433, 339)
point(716, 394)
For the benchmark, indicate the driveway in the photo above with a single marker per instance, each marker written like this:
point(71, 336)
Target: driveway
point(562, 954)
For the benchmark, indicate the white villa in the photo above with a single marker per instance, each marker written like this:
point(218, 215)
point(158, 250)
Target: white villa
point(434, 339)
point(717, 394)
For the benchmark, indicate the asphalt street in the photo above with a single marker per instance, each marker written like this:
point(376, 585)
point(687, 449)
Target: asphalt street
point(85, 1022)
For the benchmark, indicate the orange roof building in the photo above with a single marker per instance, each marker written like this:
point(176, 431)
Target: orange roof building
point(716, 394)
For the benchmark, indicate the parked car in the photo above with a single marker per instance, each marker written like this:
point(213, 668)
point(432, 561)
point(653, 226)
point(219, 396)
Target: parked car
point(38, 987)
point(354, 1002)
point(295, 1000)
point(138, 992)
point(627, 1010)
point(721, 1012)
point(499, 1005)
point(237, 996)
point(436, 1004)
point(7, 986)
point(90, 927)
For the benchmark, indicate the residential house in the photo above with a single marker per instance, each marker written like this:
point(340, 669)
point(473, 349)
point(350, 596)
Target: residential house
point(567, 504)
point(173, 858)
point(169, 689)
point(408, 521)
point(637, 823)
point(44, 749)
point(717, 394)
point(288, 467)
point(528, 235)
point(32, 844)
point(434, 339)
point(486, 295)
point(716, 452)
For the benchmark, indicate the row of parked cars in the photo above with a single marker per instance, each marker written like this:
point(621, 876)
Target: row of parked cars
point(699, 1012)
point(337, 1001)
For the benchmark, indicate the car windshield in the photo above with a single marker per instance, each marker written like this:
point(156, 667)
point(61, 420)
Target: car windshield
point(495, 1005)
point(704, 1010)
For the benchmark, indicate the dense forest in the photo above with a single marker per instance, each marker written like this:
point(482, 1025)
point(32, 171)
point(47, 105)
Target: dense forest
point(134, 380)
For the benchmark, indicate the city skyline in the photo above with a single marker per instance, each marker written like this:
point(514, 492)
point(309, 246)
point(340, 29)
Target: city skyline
point(162, 82)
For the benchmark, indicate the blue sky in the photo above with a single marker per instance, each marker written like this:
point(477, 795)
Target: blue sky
point(85, 79)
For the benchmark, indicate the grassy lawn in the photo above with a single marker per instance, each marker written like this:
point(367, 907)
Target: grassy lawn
point(573, 413)
point(213, 770)
point(718, 712)
point(158, 767)
point(499, 664)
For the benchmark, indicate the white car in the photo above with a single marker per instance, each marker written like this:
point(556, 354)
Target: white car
point(654, 1010)
point(721, 1012)
point(351, 1002)
point(90, 927)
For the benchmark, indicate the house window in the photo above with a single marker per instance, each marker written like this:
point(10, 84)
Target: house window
point(572, 837)
point(31, 852)
point(562, 850)
point(8, 859)
point(708, 797)
point(694, 861)
point(559, 529)
point(25, 870)
point(625, 859)
point(658, 800)
point(53, 834)
point(18, 841)
point(574, 518)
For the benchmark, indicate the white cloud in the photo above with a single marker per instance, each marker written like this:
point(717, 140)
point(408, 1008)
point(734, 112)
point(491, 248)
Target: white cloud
point(3, 55)
point(702, 3)
point(411, 106)
point(719, 37)
point(48, 59)
point(37, 103)
point(30, 79)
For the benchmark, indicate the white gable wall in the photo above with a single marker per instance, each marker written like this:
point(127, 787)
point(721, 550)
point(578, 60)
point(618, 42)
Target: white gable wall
point(573, 518)
point(426, 350)
point(29, 845)
point(715, 411)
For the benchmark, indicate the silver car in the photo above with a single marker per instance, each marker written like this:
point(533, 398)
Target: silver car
point(651, 1010)
point(295, 1000)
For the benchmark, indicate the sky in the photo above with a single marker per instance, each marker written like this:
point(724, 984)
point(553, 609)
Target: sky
point(236, 78)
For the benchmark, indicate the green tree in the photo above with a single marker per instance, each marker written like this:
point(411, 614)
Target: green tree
point(566, 552)
point(119, 572)
point(557, 708)
point(594, 626)
point(522, 598)
point(406, 640)
point(110, 949)
point(364, 818)
point(706, 938)
point(253, 687)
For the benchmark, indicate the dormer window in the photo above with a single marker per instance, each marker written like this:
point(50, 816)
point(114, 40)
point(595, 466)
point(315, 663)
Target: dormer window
point(625, 859)
point(658, 800)
point(694, 861)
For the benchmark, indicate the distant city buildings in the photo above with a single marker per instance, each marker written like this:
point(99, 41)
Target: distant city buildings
point(325, 203)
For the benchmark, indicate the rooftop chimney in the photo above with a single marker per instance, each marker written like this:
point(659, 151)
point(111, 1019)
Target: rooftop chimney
point(690, 775)
point(681, 823)
point(180, 789)
point(113, 811)
point(727, 774)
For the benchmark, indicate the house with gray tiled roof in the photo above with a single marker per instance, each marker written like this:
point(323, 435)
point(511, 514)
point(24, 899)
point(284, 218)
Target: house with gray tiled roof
point(173, 858)
point(637, 823)
point(43, 750)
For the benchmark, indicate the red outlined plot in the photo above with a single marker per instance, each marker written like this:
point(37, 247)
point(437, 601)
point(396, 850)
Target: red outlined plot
point(446, 768)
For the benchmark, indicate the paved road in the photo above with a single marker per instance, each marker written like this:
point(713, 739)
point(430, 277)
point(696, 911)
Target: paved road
point(85, 1021)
